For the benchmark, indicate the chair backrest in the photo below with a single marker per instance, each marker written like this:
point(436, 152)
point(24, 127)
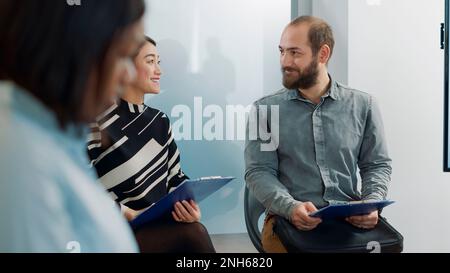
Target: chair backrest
point(253, 210)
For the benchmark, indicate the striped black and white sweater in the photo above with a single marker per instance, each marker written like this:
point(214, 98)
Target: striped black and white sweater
point(134, 153)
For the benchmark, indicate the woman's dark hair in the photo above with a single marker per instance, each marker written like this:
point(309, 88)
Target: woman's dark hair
point(50, 47)
point(150, 40)
point(147, 39)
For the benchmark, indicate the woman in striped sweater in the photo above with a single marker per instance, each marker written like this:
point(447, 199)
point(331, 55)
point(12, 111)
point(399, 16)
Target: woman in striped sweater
point(134, 153)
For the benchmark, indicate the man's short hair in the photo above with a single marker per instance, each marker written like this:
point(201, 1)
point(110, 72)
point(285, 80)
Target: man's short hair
point(320, 32)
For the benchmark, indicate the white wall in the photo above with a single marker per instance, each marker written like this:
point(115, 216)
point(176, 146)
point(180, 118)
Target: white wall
point(336, 13)
point(394, 54)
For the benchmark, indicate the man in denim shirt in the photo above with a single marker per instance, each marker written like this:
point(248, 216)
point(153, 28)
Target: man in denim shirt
point(325, 132)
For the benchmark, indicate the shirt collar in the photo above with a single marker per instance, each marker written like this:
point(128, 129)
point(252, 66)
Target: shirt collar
point(130, 107)
point(294, 94)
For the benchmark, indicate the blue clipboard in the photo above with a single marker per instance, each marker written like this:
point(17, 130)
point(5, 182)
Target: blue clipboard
point(350, 209)
point(196, 190)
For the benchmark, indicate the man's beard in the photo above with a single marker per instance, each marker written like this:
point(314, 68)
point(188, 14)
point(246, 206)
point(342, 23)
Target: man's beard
point(305, 79)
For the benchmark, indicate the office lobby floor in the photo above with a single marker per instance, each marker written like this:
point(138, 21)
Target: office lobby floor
point(233, 243)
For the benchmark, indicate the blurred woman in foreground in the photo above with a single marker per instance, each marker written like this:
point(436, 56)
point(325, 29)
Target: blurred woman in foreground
point(60, 66)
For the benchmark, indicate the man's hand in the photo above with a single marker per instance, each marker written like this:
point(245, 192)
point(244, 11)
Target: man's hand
point(368, 221)
point(186, 212)
point(300, 216)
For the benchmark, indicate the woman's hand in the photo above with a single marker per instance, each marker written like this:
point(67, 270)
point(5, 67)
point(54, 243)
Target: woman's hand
point(129, 213)
point(186, 212)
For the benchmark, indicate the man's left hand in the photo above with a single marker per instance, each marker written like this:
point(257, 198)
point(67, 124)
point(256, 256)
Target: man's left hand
point(368, 221)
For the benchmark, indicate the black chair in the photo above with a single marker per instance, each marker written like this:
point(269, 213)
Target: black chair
point(319, 240)
point(338, 236)
point(253, 210)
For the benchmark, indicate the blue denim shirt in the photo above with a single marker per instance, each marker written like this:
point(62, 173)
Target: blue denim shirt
point(318, 151)
point(50, 200)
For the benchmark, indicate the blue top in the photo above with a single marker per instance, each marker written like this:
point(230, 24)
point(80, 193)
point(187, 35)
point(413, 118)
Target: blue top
point(49, 198)
point(313, 152)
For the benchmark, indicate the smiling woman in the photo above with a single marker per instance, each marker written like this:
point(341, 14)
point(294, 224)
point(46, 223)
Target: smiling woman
point(62, 64)
point(137, 160)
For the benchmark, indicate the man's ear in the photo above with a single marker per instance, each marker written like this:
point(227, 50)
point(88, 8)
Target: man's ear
point(324, 54)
